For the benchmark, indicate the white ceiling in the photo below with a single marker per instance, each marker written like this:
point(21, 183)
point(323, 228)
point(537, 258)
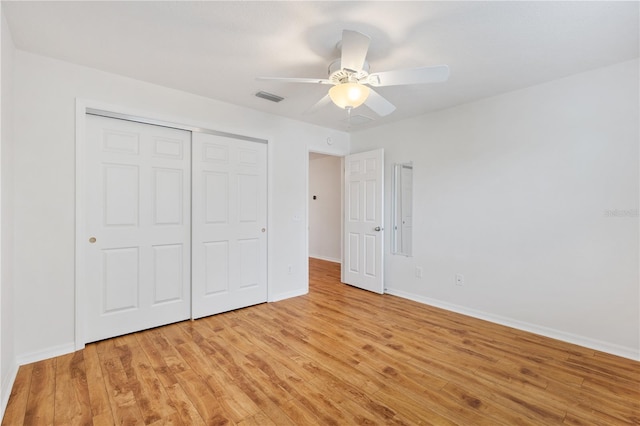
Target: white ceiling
point(217, 49)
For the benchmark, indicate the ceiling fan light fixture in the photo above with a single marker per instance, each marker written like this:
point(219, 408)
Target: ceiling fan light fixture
point(349, 95)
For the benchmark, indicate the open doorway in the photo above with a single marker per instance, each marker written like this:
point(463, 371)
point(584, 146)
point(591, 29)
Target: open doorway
point(353, 183)
point(325, 208)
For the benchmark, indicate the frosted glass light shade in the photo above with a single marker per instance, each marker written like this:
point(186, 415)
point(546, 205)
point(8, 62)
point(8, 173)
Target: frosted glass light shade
point(349, 94)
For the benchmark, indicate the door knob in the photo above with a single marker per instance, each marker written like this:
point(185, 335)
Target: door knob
point(378, 229)
point(92, 240)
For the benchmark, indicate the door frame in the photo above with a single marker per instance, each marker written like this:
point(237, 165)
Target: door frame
point(334, 153)
point(87, 106)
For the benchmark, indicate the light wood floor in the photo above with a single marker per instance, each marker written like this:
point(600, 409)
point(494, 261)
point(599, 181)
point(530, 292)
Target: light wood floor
point(338, 356)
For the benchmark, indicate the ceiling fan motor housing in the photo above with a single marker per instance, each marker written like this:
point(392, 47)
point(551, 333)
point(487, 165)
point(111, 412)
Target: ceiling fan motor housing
point(338, 75)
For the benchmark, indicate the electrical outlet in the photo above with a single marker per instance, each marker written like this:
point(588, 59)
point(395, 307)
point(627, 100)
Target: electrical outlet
point(459, 279)
point(418, 272)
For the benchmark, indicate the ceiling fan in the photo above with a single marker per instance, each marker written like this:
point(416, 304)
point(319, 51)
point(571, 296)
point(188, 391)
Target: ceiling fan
point(350, 77)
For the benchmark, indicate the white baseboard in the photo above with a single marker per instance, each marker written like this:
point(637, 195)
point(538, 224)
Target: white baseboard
point(6, 387)
point(47, 353)
point(575, 339)
point(328, 259)
point(288, 295)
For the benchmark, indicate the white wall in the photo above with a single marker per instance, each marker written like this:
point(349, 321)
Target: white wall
point(45, 92)
point(325, 211)
point(514, 192)
point(8, 365)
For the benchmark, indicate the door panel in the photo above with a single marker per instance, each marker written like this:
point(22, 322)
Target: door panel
point(121, 198)
point(363, 223)
point(249, 257)
point(248, 196)
point(168, 261)
point(120, 283)
point(137, 207)
point(229, 215)
point(216, 197)
point(168, 196)
point(216, 267)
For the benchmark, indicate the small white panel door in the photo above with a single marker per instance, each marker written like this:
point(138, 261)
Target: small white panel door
point(406, 181)
point(137, 230)
point(229, 216)
point(363, 221)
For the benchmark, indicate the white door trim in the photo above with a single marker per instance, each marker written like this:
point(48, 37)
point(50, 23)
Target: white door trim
point(84, 107)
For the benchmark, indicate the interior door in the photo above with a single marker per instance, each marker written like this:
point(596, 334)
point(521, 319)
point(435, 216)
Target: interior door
point(229, 214)
point(363, 221)
point(137, 228)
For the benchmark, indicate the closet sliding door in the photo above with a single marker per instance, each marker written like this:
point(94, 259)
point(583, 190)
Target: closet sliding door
point(229, 220)
point(136, 243)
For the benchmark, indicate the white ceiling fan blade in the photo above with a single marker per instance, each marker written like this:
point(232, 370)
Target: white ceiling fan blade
point(378, 104)
point(326, 100)
point(436, 74)
point(354, 50)
point(296, 80)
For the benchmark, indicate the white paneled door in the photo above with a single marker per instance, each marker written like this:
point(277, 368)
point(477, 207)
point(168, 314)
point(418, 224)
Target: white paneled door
point(229, 217)
point(363, 221)
point(137, 213)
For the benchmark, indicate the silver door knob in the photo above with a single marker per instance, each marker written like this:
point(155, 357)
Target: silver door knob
point(377, 229)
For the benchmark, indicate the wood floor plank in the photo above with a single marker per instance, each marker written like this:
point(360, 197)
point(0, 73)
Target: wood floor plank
point(259, 419)
point(17, 405)
point(72, 405)
point(157, 360)
point(336, 356)
point(40, 404)
point(121, 397)
point(232, 399)
point(151, 396)
point(202, 398)
point(103, 419)
point(170, 356)
point(98, 396)
point(184, 407)
point(172, 420)
point(597, 416)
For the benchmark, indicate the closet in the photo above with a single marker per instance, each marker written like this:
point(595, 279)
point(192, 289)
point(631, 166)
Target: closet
point(174, 225)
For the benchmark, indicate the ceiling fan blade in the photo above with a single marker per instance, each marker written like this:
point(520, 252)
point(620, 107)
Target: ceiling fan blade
point(354, 50)
point(378, 104)
point(436, 74)
point(296, 80)
point(326, 100)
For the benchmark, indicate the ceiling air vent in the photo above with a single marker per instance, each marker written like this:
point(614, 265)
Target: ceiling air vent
point(269, 96)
